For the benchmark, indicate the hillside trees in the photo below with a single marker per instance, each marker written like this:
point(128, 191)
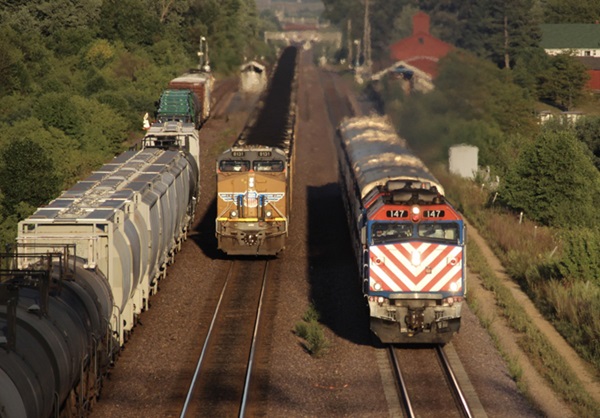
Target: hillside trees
point(554, 181)
point(383, 14)
point(474, 102)
point(497, 30)
point(571, 11)
point(27, 175)
point(587, 130)
point(563, 81)
point(77, 76)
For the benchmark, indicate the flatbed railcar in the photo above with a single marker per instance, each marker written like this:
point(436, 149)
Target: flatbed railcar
point(84, 268)
point(408, 240)
point(254, 176)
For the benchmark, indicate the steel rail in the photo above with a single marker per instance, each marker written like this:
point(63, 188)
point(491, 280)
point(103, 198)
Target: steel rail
point(405, 398)
point(454, 385)
point(210, 329)
point(253, 345)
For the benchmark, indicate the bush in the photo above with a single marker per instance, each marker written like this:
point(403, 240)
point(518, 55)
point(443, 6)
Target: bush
point(311, 331)
point(580, 254)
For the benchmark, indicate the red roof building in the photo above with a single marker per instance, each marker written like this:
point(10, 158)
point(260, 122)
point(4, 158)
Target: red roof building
point(421, 50)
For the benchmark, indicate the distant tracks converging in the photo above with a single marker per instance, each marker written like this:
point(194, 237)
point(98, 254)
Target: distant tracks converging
point(223, 376)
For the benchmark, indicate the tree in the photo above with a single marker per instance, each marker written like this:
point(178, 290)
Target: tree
point(554, 182)
point(563, 82)
point(492, 29)
point(571, 11)
point(383, 14)
point(588, 131)
point(133, 22)
point(476, 89)
point(26, 175)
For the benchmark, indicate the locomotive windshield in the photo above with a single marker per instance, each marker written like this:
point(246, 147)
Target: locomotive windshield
point(271, 165)
point(388, 232)
point(231, 166)
point(385, 232)
point(443, 231)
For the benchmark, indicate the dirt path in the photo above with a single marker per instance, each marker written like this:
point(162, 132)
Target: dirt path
point(541, 393)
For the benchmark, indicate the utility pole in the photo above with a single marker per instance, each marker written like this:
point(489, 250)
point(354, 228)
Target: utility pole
point(201, 53)
point(367, 41)
point(203, 61)
point(350, 48)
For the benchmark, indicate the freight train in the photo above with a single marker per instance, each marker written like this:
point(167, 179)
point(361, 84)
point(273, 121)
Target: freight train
point(84, 268)
point(201, 83)
point(408, 240)
point(254, 176)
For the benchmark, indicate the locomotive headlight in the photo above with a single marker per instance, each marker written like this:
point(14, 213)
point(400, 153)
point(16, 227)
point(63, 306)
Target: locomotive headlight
point(233, 214)
point(415, 213)
point(251, 182)
point(377, 286)
point(415, 258)
point(268, 214)
point(454, 286)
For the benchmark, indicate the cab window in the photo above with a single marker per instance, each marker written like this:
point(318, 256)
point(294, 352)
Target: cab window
point(232, 166)
point(384, 232)
point(444, 231)
point(271, 165)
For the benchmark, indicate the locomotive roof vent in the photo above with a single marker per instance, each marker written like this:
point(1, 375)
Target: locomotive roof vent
point(396, 185)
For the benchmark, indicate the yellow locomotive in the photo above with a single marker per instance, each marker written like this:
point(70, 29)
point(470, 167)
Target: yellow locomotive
point(254, 176)
point(253, 200)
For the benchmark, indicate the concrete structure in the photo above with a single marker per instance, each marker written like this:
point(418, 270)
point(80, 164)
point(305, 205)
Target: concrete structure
point(464, 160)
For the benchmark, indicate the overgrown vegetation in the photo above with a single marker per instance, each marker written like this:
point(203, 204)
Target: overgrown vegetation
point(77, 77)
point(309, 329)
point(542, 354)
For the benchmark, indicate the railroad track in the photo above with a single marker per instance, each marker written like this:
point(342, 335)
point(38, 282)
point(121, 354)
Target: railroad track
point(223, 376)
point(425, 389)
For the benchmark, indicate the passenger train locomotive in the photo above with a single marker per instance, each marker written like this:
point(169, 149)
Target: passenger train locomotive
point(254, 176)
point(84, 268)
point(408, 240)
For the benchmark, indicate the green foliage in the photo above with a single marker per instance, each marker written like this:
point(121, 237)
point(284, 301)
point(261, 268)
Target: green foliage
point(554, 182)
point(474, 103)
point(77, 76)
point(587, 130)
point(477, 89)
point(13, 76)
point(382, 13)
point(563, 81)
point(496, 30)
point(576, 309)
point(580, 249)
point(530, 63)
point(26, 175)
point(311, 331)
point(57, 110)
point(134, 22)
point(571, 11)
